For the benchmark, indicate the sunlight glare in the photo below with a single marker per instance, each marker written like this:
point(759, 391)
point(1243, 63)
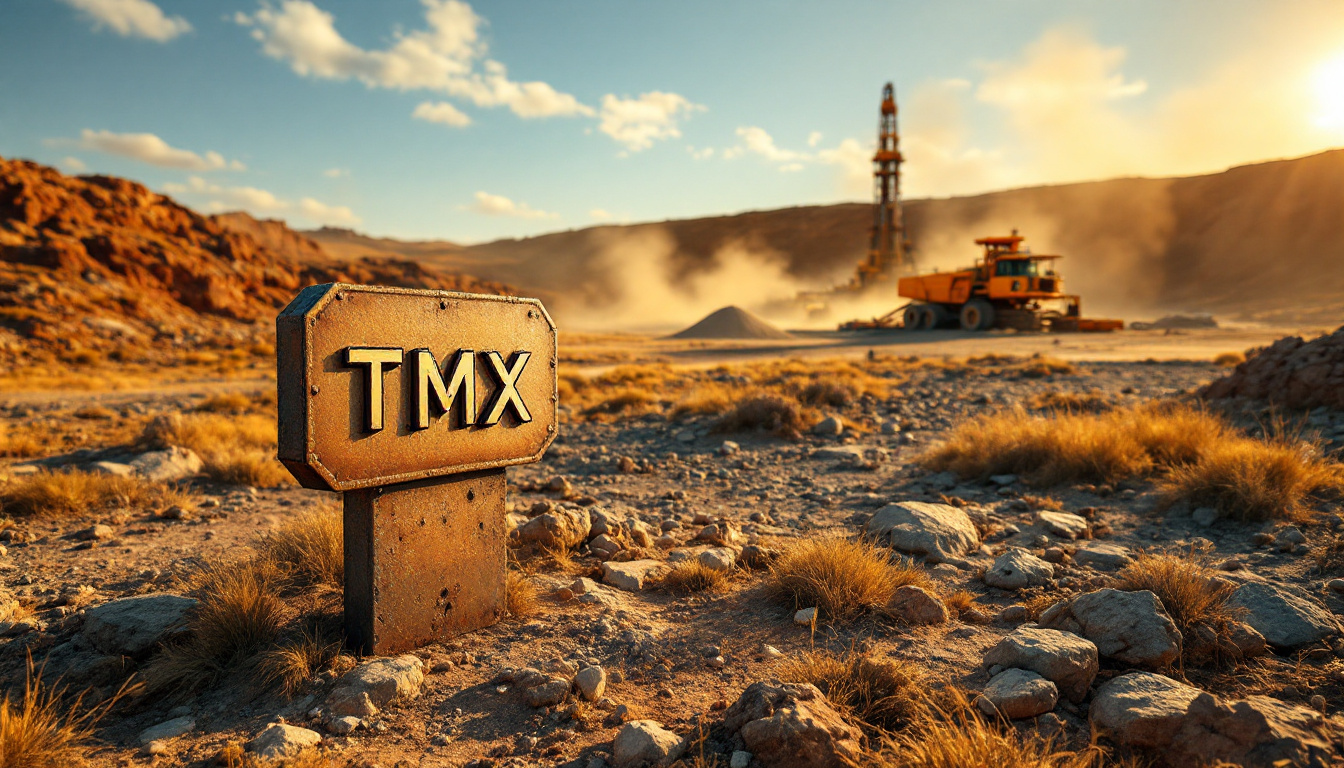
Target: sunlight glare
point(1328, 82)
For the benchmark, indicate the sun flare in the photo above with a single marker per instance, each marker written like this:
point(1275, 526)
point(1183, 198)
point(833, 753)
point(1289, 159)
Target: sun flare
point(1328, 84)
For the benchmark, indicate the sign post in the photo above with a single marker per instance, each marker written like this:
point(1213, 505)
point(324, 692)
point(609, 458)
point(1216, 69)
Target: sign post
point(412, 403)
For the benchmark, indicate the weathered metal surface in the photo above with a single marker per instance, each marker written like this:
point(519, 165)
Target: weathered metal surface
point(424, 561)
point(388, 385)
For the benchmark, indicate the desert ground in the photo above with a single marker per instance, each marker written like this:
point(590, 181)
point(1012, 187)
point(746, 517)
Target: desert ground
point(888, 549)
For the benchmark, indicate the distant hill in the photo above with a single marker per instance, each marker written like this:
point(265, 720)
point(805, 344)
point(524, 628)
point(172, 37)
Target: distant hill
point(96, 261)
point(1262, 241)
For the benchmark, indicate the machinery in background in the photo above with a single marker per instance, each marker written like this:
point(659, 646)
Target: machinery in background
point(1009, 287)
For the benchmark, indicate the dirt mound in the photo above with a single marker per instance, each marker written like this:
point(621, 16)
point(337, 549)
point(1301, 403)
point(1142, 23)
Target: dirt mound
point(1177, 322)
point(1290, 372)
point(731, 323)
point(97, 261)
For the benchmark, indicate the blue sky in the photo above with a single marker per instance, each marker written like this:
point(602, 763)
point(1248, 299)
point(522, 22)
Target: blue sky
point(438, 119)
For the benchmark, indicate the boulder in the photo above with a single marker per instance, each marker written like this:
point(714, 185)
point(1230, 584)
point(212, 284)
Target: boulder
point(633, 575)
point(1065, 659)
point(1132, 627)
point(916, 605)
point(718, 559)
point(561, 528)
point(939, 531)
point(1063, 524)
point(1018, 693)
point(1018, 569)
point(169, 465)
point(1192, 727)
point(1102, 556)
point(134, 626)
point(1287, 618)
point(278, 740)
point(645, 744)
point(792, 725)
point(373, 685)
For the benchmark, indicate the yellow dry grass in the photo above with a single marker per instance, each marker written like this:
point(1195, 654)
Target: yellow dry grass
point(237, 449)
point(292, 664)
point(968, 741)
point(1229, 359)
point(78, 494)
point(240, 614)
point(520, 595)
point(309, 547)
point(1193, 597)
point(1253, 480)
point(764, 412)
point(19, 442)
point(46, 728)
point(1071, 402)
point(884, 693)
point(840, 577)
point(692, 576)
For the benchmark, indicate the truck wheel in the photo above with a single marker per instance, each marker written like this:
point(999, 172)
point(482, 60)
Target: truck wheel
point(977, 315)
point(912, 317)
point(935, 316)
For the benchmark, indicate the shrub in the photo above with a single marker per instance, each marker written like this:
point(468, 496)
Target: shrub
point(826, 392)
point(1071, 402)
point(45, 729)
point(624, 400)
point(842, 578)
point(71, 494)
point(692, 576)
point(291, 664)
point(967, 740)
point(1253, 480)
point(227, 402)
point(520, 595)
point(767, 412)
point(881, 692)
point(245, 466)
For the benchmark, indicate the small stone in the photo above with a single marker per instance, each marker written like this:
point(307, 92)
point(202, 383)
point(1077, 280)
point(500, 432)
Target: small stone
point(97, 532)
point(155, 748)
point(344, 725)
point(728, 448)
point(1063, 524)
point(1014, 614)
point(1262, 539)
point(720, 559)
point(1336, 585)
point(170, 729)
point(591, 682)
point(1102, 556)
point(548, 693)
point(1003, 479)
point(1018, 569)
point(279, 740)
point(632, 576)
point(739, 759)
point(716, 662)
point(917, 605)
point(771, 652)
point(805, 617)
point(646, 744)
point(1019, 693)
point(831, 426)
point(1206, 516)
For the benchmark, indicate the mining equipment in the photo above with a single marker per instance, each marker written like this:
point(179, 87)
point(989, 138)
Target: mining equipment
point(1009, 287)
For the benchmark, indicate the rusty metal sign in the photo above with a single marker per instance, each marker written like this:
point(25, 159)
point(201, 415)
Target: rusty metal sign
point(392, 385)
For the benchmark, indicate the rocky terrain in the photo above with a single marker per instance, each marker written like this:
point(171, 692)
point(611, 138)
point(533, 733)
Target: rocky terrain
point(648, 623)
point(97, 262)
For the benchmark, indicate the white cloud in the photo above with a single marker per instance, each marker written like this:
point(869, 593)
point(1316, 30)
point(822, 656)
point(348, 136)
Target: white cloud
point(637, 123)
point(336, 173)
point(790, 167)
point(148, 148)
point(132, 18)
point(74, 164)
point(260, 201)
point(441, 112)
point(757, 141)
point(701, 154)
point(498, 205)
point(443, 57)
point(814, 138)
point(598, 214)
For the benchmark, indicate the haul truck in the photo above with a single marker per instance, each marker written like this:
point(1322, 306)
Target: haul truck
point(1009, 287)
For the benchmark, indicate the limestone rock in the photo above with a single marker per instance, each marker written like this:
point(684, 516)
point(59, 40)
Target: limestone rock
point(169, 729)
point(1132, 627)
point(1141, 709)
point(1102, 556)
point(1019, 693)
point(1287, 618)
point(279, 740)
point(133, 626)
point(548, 692)
point(718, 559)
point(375, 684)
point(646, 744)
point(792, 725)
point(632, 576)
point(917, 605)
point(1018, 569)
point(940, 531)
point(169, 465)
point(591, 682)
point(1065, 659)
point(561, 528)
point(724, 533)
point(1063, 524)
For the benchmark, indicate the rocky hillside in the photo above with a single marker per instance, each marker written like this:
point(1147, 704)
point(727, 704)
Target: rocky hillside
point(98, 261)
point(1259, 242)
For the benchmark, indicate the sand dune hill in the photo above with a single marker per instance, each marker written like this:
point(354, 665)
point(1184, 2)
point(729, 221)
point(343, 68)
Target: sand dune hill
point(1260, 241)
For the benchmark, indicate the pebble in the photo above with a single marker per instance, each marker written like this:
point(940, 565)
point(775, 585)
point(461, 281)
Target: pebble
point(1336, 585)
point(805, 617)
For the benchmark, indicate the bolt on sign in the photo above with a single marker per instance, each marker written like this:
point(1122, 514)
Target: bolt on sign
point(412, 403)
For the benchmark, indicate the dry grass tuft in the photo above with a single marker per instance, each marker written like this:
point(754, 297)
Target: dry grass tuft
point(1070, 402)
point(239, 614)
point(1253, 480)
point(842, 578)
point(226, 402)
point(47, 728)
point(1193, 597)
point(309, 547)
point(243, 466)
point(71, 494)
point(234, 756)
point(625, 401)
point(827, 393)
point(520, 595)
point(1229, 359)
point(290, 665)
point(237, 449)
point(1328, 554)
point(960, 601)
point(693, 576)
point(884, 693)
point(707, 399)
point(1040, 367)
point(967, 740)
point(18, 443)
point(764, 412)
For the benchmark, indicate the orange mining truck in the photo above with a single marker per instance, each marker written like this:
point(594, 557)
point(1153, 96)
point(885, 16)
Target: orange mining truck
point(1009, 287)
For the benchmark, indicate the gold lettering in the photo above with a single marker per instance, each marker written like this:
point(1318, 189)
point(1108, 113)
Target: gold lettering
point(428, 378)
point(507, 394)
point(375, 358)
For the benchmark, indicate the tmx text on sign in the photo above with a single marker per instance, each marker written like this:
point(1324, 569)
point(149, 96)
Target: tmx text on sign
point(432, 393)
